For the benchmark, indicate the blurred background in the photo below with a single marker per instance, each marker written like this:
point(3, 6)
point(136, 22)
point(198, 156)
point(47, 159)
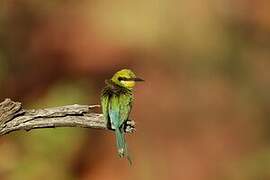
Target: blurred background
point(202, 114)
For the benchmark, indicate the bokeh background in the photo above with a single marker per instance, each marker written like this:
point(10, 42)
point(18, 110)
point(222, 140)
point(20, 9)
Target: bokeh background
point(202, 114)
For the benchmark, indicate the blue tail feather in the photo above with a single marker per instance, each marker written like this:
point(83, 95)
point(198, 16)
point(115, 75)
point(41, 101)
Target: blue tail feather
point(121, 145)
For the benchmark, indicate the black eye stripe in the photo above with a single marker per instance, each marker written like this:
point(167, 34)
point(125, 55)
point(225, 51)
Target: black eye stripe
point(124, 79)
point(129, 79)
point(120, 78)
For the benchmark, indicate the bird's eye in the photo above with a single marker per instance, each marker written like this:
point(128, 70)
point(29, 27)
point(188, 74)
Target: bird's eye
point(120, 79)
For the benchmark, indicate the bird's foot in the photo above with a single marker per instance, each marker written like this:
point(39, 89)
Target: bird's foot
point(129, 126)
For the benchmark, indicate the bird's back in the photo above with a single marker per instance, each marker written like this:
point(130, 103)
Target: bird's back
point(116, 103)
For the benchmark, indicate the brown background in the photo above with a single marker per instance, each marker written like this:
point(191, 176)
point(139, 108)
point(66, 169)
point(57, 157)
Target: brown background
point(202, 114)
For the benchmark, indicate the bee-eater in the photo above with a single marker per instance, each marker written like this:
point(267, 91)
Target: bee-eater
point(116, 102)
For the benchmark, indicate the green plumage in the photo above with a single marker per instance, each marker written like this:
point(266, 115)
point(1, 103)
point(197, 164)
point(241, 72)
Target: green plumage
point(116, 101)
point(116, 105)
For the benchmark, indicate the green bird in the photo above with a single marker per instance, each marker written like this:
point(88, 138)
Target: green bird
point(116, 102)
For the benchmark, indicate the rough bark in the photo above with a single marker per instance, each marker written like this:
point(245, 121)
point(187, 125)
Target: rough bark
point(13, 117)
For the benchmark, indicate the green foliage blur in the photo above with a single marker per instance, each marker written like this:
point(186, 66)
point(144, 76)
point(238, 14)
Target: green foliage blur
point(202, 114)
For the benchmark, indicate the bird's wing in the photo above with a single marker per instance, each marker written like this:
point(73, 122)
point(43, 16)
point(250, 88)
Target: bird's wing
point(120, 107)
point(114, 111)
point(125, 106)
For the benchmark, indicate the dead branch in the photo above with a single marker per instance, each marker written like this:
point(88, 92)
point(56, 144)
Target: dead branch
point(13, 117)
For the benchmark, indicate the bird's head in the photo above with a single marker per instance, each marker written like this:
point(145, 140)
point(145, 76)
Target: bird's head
point(125, 78)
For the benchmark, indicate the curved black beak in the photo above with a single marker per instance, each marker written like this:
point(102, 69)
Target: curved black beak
point(138, 79)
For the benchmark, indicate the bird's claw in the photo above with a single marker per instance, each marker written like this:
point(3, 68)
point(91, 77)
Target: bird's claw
point(129, 126)
point(130, 122)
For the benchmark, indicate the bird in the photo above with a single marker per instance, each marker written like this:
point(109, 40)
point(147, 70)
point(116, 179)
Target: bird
point(116, 103)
